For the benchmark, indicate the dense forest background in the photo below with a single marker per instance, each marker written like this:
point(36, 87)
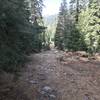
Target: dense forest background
point(23, 29)
point(78, 26)
point(50, 21)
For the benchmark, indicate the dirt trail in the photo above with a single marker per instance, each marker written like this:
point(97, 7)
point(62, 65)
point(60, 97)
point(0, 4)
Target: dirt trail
point(45, 78)
point(74, 81)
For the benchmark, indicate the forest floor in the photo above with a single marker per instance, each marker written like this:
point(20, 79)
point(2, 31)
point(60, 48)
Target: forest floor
point(54, 75)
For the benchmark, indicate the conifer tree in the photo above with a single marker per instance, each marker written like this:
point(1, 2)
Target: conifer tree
point(76, 6)
point(67, 34)
point(59, 36)
point(17, 33)
point(90, 26)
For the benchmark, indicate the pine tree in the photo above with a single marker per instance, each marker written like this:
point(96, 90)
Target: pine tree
point(37, 20)
point(17, 33)
point(76, 6)
point(67, 34)
point(59, 36)
point(90, 26)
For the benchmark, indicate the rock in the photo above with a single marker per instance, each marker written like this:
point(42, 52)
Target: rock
point(43, 92)
point(56, 52)
point(47, 89)
point(86, 97)
point(98, 58)
point(33, 82)
point(48, 92)
point(84, 59)
point(52, 96)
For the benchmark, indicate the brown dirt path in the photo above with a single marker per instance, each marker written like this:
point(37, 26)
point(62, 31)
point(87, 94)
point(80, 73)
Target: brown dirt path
point(74, 81)
point(45, 78)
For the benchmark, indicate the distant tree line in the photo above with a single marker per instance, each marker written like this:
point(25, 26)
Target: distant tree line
point(50, 22)
point(78, 27)
point(21, 31)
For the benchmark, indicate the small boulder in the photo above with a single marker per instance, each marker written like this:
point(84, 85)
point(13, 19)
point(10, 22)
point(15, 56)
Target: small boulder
point(47, 89)
point(52, 96)
point(33, 81)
